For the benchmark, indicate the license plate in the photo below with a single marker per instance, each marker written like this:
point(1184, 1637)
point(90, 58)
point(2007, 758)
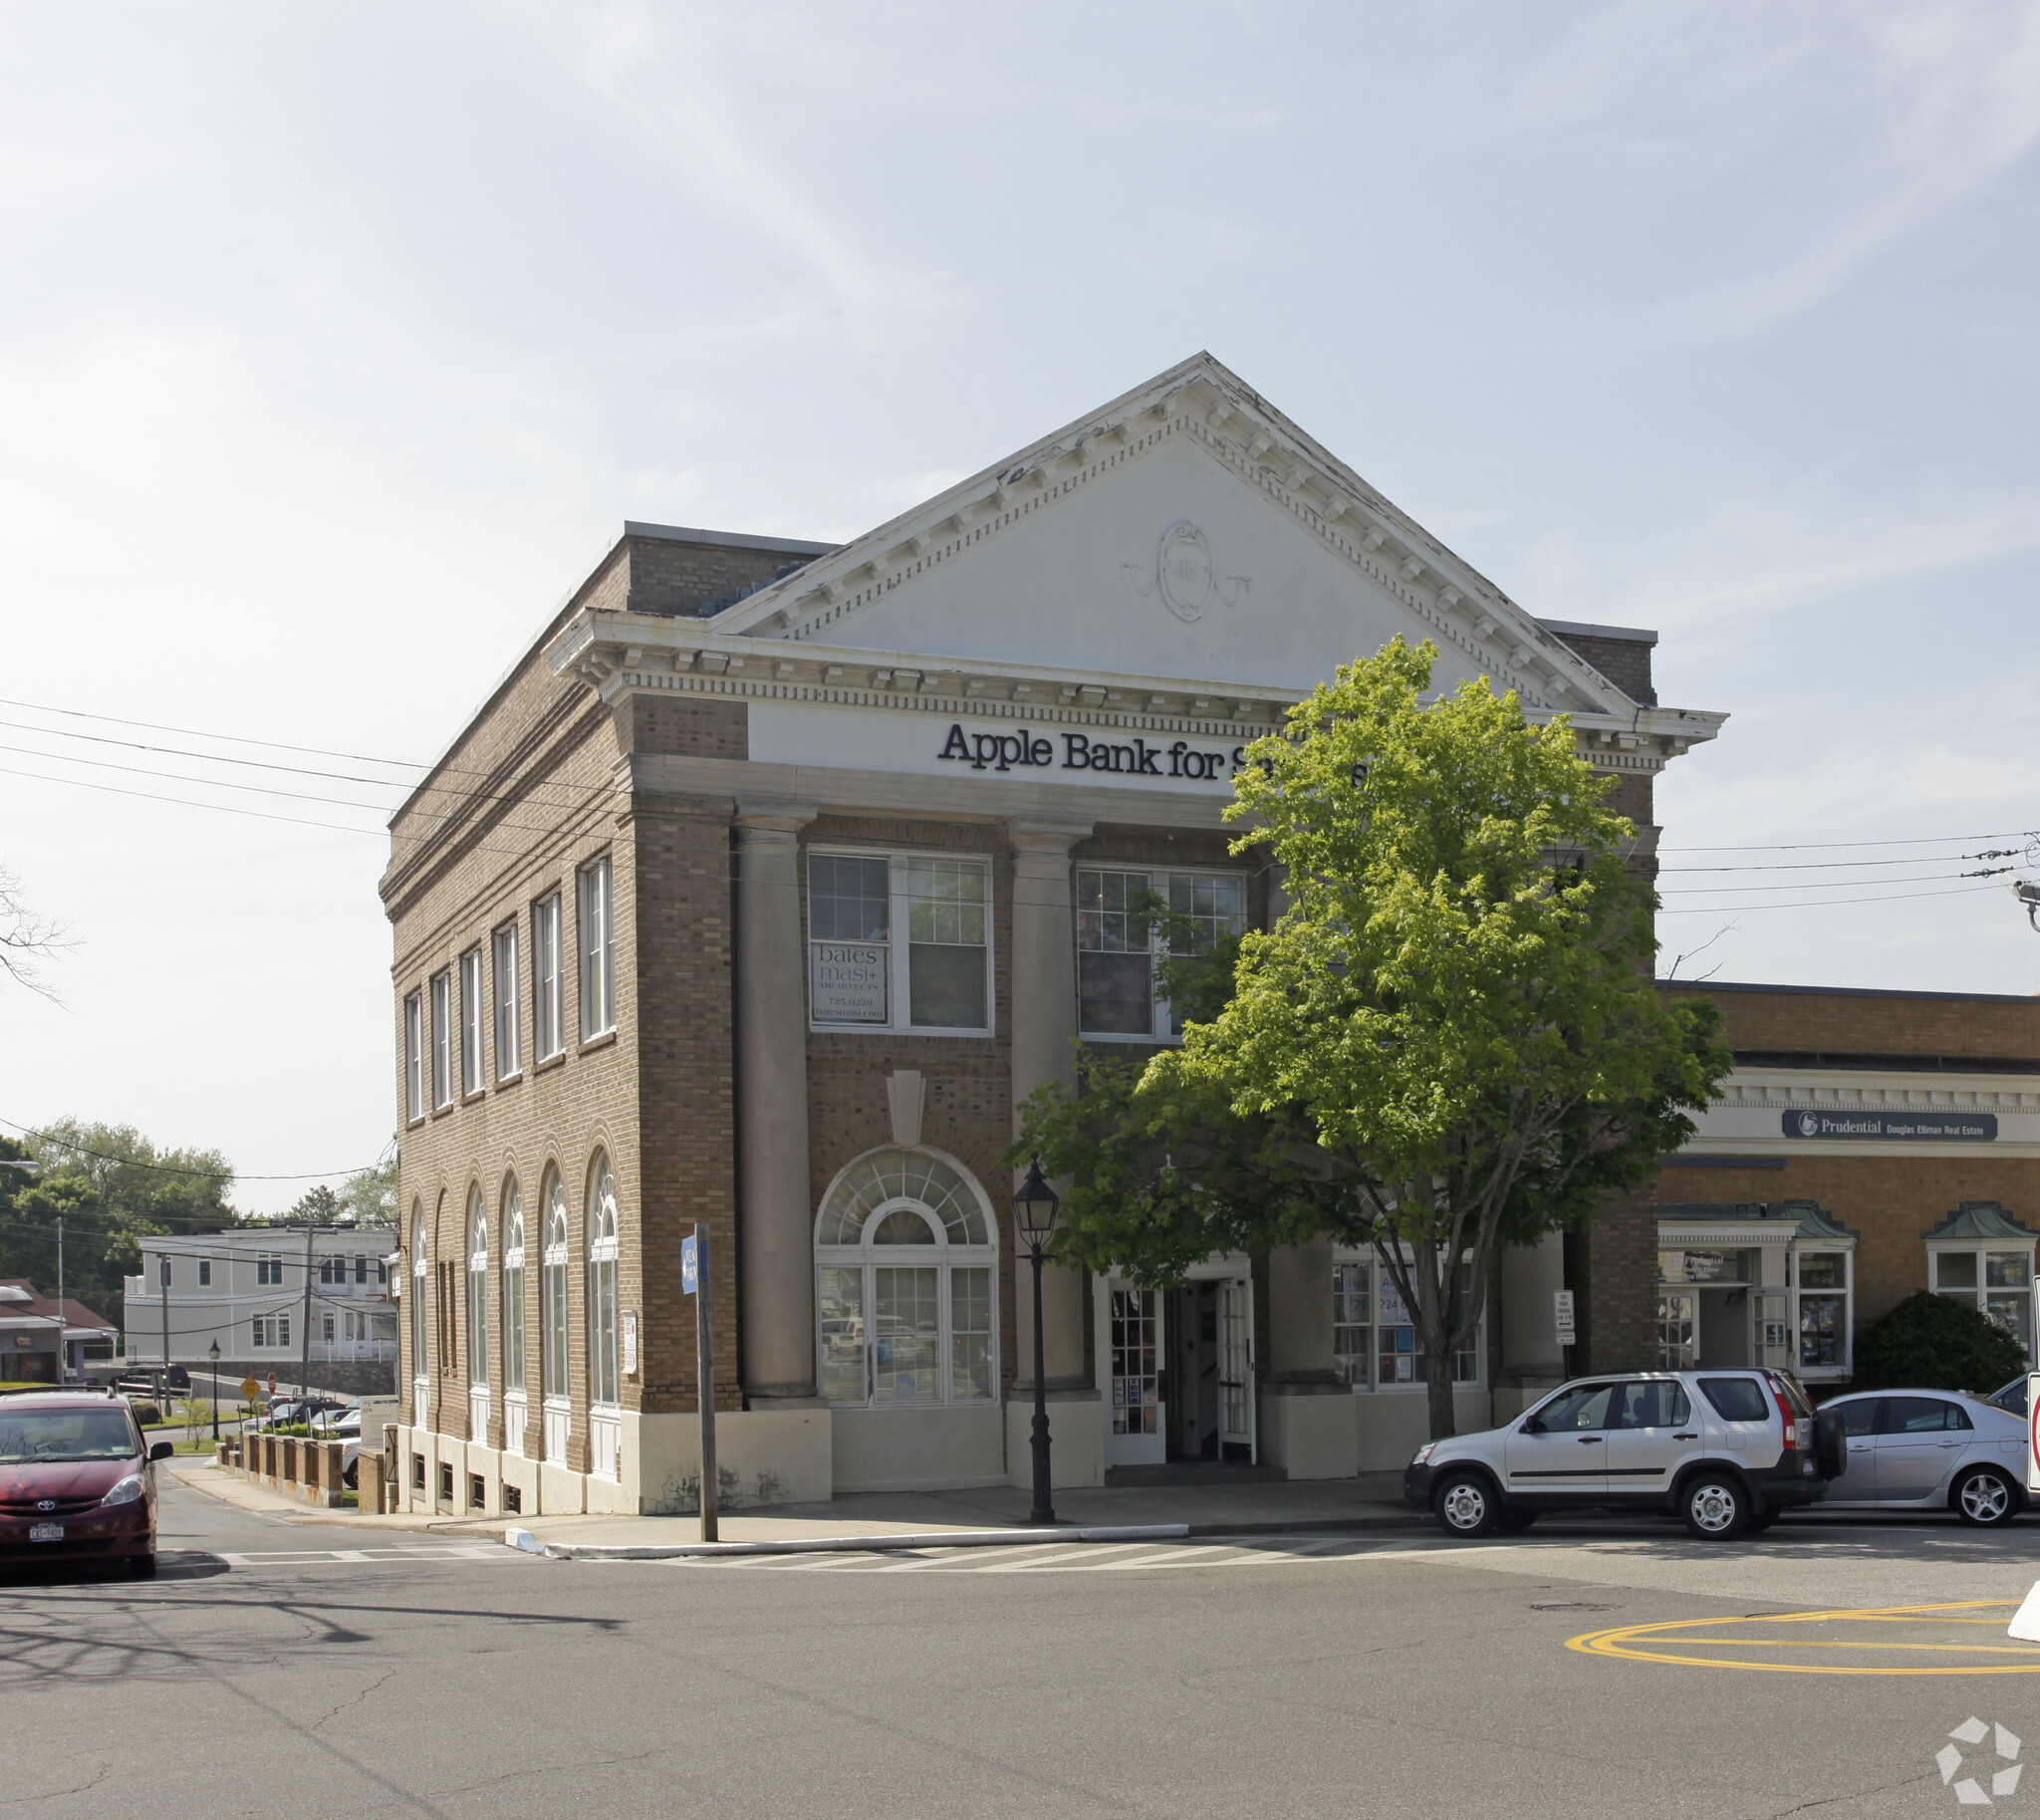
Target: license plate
point(46, 1532)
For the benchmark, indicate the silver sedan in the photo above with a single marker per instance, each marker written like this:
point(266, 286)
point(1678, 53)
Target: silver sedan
point(1930, 1451)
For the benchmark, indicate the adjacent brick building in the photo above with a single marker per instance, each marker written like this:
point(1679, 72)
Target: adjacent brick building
point(775, 874)
point(1868, 1145)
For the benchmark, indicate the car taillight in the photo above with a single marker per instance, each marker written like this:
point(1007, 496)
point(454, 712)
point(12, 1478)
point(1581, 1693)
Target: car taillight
point(1785, 1414)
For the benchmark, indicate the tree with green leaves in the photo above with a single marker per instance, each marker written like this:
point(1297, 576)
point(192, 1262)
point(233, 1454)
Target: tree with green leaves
point(111, 1186)
point(1449, 1043)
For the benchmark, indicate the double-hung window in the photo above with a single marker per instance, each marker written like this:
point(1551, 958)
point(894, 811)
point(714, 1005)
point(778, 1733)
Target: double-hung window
point(442, 1040)
point(267, 1267)
point(272, 1332)
point(414, 1057)
point(508, 1057)
point(899, 941)
point(548, 1030)
point(471, 1022)
point(205, 1273)
point(1822, 1279)
point(1117, 945)
point(597, 950)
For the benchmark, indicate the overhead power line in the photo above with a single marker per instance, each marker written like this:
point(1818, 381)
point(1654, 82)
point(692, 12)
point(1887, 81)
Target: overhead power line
point(171, 1169)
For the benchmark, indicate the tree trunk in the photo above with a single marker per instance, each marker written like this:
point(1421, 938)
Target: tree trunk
point(1439, 1395)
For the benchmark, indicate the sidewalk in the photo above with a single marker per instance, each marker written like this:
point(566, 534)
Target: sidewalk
point(1372, 1501)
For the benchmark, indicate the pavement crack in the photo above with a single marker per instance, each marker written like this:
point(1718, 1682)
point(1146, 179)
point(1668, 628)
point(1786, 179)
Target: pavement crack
point(57, 1794)
point(1855, 1794)
point(358, 1698)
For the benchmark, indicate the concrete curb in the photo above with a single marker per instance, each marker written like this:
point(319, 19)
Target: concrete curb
point(809, 1545)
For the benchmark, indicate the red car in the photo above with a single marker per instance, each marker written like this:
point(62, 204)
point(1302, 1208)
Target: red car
point(77, 1480)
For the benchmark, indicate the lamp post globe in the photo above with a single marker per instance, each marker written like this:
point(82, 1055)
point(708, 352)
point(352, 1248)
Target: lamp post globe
point(1034, 1207)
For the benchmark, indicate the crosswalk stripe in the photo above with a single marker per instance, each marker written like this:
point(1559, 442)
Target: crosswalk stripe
point(309, 1557)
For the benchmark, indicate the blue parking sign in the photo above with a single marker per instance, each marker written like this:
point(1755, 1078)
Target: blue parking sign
point(689, 1275)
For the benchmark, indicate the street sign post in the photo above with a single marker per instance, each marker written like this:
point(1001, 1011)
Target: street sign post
point(694, 1281)
point(2032, 1408)
point(1562, 1315)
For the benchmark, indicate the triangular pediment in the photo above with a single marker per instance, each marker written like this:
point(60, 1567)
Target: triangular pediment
point(1186, 529)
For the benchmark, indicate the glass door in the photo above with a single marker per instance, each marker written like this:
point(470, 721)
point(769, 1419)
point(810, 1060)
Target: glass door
point(1676, 1330)
point(1236, 1429)
point(1130, 1339)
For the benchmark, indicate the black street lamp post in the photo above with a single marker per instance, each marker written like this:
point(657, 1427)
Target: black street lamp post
point(213, 1349)
point(1036, 1205)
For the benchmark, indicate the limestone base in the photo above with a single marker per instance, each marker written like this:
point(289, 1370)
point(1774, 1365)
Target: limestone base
point(1076, 1431)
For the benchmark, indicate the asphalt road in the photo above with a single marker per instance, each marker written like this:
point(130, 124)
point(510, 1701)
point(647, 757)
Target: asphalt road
point(284, 1666)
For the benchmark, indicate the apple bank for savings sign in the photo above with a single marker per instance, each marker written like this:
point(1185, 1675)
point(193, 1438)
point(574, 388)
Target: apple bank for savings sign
point(1080, 752)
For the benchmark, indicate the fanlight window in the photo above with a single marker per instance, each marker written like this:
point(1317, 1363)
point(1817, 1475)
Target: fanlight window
point(477, 1290)
point(907, 1285)
point(941, 1191)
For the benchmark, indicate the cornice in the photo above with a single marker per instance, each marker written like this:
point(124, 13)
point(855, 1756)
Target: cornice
point(619, 653)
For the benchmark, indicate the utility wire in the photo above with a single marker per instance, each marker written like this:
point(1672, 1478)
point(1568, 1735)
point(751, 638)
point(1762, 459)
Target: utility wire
point(1718, 909)
point(169, 1169)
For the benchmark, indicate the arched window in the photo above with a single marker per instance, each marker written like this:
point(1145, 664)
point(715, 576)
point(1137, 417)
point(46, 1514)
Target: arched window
point(553, 1290)
point(604, 1385)
point(513, 1291)
point(477, 1289)
point(420, 1373)
point(907, 1284)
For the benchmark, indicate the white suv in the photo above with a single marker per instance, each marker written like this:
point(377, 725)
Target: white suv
point(1726, 1450)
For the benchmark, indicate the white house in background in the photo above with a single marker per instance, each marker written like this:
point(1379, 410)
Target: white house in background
point(245, 1290)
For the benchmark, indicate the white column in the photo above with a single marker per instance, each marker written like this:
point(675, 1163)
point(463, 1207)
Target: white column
point(775, 1239)
point(1044, 1015)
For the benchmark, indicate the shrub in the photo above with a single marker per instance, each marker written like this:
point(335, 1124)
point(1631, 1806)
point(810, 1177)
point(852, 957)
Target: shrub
point(147, 1415)
point(1934, 1343)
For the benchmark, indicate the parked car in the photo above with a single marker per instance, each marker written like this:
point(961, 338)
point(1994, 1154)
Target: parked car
point(2010, 1395)
point(77, 1480)
point(335, 1425)
point(1931, 1450)
point(1725, 1450)
point(283, 1412)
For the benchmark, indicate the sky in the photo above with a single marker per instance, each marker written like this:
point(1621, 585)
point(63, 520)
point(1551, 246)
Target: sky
point(335, 344)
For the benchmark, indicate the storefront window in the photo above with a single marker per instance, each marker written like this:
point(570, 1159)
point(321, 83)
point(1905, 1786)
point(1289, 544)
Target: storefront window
point(905, 1286)
point(1375, 1339)
point(2000, 1283)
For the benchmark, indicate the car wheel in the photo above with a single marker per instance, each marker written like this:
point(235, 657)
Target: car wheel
point(1468, 1506)
point(1986, 1498)
point(1514, 1520)
point(141, 1567)
point(1716, 1506)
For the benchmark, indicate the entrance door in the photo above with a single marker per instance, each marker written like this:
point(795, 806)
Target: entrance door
point(1236, 1426)
point(1131, 1339)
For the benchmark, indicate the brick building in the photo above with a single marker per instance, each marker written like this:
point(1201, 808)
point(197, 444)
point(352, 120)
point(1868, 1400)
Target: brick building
point(1868, 1144)
point(770, 879)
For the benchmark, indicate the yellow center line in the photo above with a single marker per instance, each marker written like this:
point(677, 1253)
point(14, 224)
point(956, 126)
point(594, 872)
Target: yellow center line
point(1615, 1644)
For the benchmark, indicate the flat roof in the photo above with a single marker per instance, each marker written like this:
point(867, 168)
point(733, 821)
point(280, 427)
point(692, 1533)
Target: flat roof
point(731, 540)
point(1731, 986)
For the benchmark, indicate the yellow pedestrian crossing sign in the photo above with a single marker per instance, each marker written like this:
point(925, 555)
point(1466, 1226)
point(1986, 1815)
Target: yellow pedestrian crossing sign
point(250, 1390)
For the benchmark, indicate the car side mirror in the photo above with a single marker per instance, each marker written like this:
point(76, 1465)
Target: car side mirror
point(162, 1450)
point(1533, 1427)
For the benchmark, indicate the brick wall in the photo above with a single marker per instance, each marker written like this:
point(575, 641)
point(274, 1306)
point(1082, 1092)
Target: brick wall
point(1623, 662)
point(1882, 1024)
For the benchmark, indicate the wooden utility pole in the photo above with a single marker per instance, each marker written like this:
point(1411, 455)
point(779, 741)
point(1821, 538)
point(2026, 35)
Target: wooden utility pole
point(304, 1359)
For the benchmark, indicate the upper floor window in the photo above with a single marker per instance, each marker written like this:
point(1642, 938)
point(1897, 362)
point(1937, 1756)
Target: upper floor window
point(597, 950)
point(471, 1022)
point(862, 975)
point(549, 1031)
point(1117, 946)
point(414, 1056)
point(509, 1058)
point(443, 1039)
point(267, 1267)
point(333, 1271)
point(205, 1273)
